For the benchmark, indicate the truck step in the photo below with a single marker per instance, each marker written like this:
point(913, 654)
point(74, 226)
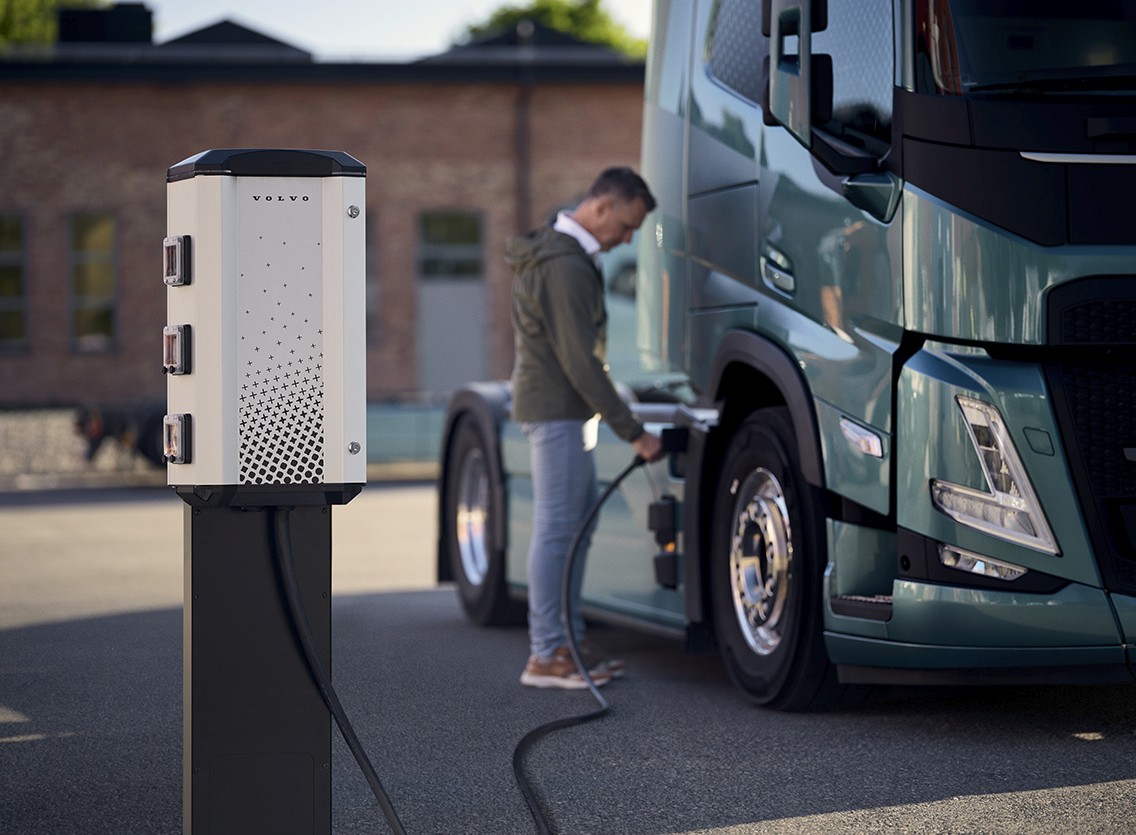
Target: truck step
point(870, 607)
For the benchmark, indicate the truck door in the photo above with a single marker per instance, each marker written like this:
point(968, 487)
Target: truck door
point(722, 174)
point(828, 247)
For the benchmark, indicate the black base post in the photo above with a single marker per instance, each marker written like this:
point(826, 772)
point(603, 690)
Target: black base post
point(257, 734)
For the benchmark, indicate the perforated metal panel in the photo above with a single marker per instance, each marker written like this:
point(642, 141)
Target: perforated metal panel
point(273, 389)
point(280, 335)
point(738, 48)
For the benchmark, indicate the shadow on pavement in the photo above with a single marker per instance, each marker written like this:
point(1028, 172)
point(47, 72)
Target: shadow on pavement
point(90, 735)
point(90, 725)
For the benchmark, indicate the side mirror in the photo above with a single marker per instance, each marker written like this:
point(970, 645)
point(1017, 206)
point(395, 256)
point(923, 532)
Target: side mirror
point(818, 15)
point(799, 93)
point(799, 89)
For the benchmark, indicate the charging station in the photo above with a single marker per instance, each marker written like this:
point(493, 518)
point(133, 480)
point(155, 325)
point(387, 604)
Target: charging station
point(264, 350)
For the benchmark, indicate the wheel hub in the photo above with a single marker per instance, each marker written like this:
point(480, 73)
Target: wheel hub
point(472, 512)
point(761, 554)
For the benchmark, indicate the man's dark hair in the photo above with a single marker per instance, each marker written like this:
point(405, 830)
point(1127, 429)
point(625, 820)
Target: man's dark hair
point(624, 184)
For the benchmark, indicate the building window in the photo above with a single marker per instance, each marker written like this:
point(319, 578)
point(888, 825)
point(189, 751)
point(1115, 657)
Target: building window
point(13, 289)
point(450, 246)
point(93, 282)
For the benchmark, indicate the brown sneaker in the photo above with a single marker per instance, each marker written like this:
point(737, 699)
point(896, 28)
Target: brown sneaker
point(560, 671)
point(594, 660)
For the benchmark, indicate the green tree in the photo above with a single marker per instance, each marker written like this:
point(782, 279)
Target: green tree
point(34, 21)
point(586, 20)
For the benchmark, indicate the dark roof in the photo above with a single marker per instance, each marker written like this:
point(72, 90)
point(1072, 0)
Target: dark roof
point(531, 33)
point(227, 32)
point(530, 43)
point(229, 51)
point(230, 34)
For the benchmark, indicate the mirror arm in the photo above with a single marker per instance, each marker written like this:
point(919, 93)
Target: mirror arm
point(839, 157)
point(877, 193)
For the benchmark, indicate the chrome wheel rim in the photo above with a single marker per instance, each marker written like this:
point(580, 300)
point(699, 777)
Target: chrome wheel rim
point(761, 557)
point(472, 517)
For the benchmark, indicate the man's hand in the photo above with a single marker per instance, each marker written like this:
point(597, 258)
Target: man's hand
point(648, 447)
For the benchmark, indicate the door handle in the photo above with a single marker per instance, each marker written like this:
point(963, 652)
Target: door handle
point(777, 270)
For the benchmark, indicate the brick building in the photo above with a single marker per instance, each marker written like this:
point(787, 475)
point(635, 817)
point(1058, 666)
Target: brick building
point(462, 151)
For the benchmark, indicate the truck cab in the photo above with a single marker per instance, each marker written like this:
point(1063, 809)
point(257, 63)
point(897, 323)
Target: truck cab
point(891, 273)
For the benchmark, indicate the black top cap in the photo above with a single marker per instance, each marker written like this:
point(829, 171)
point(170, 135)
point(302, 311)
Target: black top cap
point(267, 162)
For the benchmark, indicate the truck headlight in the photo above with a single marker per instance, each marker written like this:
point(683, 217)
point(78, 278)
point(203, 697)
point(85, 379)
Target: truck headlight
point(1009, 509)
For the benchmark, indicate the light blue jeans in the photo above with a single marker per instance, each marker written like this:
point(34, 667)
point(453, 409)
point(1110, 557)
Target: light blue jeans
point(564, 489)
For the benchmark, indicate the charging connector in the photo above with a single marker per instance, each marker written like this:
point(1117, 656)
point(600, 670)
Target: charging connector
point(675, 438)
point(662, 521)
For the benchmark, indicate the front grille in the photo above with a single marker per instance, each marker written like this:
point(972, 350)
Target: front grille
point(1093, 383)
point(1097, 323)
point(1093, 311)
point(1102, 403)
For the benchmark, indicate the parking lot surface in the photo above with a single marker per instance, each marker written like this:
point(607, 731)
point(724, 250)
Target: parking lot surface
point(91, 710)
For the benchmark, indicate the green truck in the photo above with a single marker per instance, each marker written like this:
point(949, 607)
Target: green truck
point(888, 298)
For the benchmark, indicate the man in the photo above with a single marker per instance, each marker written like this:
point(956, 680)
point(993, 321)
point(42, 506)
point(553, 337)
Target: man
point(561, 387)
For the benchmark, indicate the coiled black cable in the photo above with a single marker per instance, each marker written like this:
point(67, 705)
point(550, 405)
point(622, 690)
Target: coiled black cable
point(281, 517)
point(530, 739)
point(287, 566)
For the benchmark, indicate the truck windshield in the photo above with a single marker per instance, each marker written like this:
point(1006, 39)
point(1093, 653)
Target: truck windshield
point(967, 46)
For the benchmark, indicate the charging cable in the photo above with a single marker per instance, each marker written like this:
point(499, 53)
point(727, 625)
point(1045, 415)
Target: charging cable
point(542, 825)
point(281, 517)
point(672, 441)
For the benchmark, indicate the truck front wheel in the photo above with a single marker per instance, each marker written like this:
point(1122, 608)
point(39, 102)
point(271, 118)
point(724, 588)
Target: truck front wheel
point(768, 552)
point(471, 507)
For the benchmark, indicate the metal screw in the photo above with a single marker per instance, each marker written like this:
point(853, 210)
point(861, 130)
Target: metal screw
point(353, 211)
point(354, 447)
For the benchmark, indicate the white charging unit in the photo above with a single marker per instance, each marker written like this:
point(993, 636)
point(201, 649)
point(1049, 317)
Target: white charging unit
point(264, 351)
point(264, 346)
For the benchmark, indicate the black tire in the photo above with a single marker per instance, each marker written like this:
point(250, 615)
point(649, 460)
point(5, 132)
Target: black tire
point(768, 552)
point(471, 510)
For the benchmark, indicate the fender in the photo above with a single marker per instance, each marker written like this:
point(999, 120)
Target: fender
point(490, 405)
point(770, 360)
point(756, 357)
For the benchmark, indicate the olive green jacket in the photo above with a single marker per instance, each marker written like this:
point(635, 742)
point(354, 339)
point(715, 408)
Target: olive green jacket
point(560, 335)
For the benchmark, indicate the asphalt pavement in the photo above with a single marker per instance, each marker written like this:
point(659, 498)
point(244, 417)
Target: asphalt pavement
point(91, 713)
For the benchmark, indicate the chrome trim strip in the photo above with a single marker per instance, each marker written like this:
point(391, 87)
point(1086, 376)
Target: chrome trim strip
point(1080, 159)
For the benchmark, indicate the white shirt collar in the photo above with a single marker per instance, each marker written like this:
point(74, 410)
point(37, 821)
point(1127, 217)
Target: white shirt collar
point(567, 225)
